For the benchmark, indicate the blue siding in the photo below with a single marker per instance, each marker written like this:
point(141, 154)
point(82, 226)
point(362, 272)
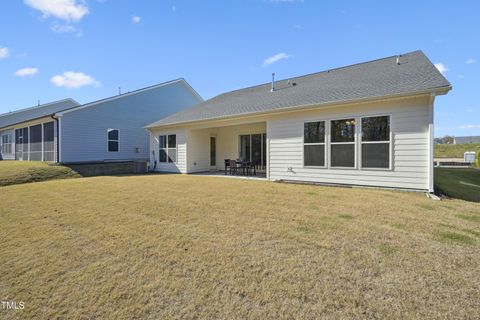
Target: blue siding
point(84, 131)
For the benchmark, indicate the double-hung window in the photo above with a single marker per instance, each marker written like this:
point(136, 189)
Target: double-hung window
point(113, 140)
point(376, 142)
point(168, 148)
point(314, 144)
point(7, 144)
point(342, 143)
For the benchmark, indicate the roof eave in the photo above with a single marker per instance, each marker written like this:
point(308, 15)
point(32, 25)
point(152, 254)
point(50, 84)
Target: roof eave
point(29, 120)
point(436, 91)
point(112, 98)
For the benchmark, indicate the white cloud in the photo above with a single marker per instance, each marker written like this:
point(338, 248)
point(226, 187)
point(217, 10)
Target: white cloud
point(471, 61)
point(136, 19)
point(469, 110)
point(470, 126)
point(174, 8)
point(4, 52)
point(276, 58)
point(73, 80)
point(62, 28)
point(69, 10)
point(26, 72)
point(441, 67)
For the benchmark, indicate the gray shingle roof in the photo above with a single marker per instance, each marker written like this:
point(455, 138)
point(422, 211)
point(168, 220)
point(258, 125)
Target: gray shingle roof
point(374, 79)
point(14, 117)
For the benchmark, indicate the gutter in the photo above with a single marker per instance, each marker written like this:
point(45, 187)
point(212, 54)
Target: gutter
point(436, 91)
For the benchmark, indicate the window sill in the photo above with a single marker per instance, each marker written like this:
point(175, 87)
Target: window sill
point(376, 169)
point(314, 167)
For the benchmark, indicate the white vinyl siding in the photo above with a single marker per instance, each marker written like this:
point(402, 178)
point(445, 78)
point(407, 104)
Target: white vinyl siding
point(409, 125)
point(83, 130)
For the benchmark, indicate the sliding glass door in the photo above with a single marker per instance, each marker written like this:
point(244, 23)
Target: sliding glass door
point(253, 147)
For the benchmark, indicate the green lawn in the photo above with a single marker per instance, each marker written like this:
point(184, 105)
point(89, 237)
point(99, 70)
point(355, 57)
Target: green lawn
point(458, 183)
point(18, 172)
point(454, 150)
point(190, 247)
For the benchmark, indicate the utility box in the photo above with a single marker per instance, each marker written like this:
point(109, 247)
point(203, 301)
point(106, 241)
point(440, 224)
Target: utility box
point(469, 156)
point(140, 167)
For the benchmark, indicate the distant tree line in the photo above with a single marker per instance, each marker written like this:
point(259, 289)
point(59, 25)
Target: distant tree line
point(444, 140)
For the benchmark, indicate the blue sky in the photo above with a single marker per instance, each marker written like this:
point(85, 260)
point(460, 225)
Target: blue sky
point(53, 49)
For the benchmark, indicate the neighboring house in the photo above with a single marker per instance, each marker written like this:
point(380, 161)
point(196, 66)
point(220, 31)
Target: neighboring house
point(469, 139)
point(30, 134)
point(368, 124)
point(107, 130)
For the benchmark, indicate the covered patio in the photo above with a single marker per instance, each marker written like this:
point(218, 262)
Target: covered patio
point(233, 147)
point(233, 150)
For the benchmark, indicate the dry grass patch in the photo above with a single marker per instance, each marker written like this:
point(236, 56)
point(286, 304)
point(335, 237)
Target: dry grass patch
point(173, 246)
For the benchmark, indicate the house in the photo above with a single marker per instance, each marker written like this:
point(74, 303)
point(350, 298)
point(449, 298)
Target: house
point(368, 124)
point(107, 130)
point(469, 139)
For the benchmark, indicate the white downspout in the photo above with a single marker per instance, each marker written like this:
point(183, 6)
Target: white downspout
point(431, 145)
point(59, 135)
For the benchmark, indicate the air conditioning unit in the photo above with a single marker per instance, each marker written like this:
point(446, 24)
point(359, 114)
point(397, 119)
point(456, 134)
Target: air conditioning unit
point(469, 156)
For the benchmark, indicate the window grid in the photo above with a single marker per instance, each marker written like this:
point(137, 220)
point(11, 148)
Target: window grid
point(305, 144)
point(168, 148)
point(347, 130)
point(7, 144)
point(386, 142)
point(113, 143)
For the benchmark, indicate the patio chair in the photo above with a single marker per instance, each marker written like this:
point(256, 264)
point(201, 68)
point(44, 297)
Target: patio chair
point(248, 168)
point(227, 165)
point(233, 167)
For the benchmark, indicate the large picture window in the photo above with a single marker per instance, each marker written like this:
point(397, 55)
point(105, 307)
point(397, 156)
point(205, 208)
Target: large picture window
point(168, 148)
point(314, 144)
point(113, 140)
point(7, 144)
point(376, 142)
point(342, 143)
